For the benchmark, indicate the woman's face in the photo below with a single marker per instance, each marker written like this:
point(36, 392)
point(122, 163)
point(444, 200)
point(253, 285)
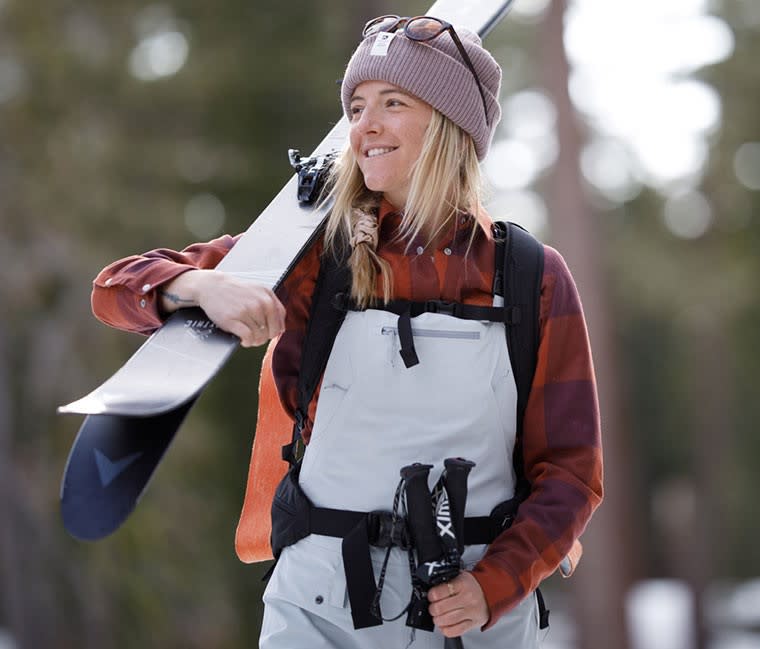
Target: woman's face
point(387, 130)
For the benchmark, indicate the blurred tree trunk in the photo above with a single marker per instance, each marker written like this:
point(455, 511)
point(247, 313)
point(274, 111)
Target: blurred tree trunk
point(25, 596)
point(712, 459)
point(11, 589)
point(605, 573)
point(692, 513)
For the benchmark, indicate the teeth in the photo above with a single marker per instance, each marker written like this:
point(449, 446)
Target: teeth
point(373, 152)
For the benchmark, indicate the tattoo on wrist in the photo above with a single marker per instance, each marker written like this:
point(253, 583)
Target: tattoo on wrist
point(174, 298)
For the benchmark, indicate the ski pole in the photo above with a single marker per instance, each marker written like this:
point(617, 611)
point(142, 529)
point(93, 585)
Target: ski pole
point(454, 482)
point(421, 525)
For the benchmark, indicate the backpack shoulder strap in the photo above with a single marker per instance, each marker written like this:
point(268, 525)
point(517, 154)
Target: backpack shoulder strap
point(324, 322)
point(518, 279)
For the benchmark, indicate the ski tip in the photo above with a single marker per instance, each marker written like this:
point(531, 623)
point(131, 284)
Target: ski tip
point(84, 406)
point(100, 402)
point(87, 532)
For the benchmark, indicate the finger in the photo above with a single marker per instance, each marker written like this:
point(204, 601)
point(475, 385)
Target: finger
point(241, 330)
point(257, 331)
point(255, 322)
point(438, 593)
point(456, 630)
point(250, 332)
point(451, 613)
point(274, 313)
point(271, 329)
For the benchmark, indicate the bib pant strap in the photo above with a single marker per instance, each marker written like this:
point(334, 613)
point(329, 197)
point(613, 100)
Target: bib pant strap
point(360, 577)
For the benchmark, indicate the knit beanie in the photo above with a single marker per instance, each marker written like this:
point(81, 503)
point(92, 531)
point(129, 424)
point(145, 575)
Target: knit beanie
point(435, 72)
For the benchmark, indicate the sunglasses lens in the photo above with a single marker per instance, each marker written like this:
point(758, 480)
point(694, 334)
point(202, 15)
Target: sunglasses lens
point(381, 24)
point(423, 28)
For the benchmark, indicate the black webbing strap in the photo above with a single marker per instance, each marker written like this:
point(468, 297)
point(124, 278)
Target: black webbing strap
point(543, 612)
point(455, 309)
point(478, 530)
point(522, 277)
point(360, 576)
point(406, 339)
point(519, 282)
point(322, 328)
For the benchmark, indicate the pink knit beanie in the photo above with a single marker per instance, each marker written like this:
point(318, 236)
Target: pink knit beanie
point(435, 72)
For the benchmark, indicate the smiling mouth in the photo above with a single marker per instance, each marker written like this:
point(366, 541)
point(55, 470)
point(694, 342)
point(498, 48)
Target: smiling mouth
point(378, 151)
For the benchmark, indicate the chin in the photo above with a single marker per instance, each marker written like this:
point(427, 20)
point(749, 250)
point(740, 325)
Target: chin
point(375, 185)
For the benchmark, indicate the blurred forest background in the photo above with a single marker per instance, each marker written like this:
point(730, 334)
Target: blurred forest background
point(630, 141)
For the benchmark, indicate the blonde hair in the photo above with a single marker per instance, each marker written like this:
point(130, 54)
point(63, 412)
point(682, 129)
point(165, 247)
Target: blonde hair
point(445, 182)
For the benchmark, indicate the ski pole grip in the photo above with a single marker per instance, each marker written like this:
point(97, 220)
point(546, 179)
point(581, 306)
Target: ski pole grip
point(421, 522)
point(456, 472)
point(453, 643)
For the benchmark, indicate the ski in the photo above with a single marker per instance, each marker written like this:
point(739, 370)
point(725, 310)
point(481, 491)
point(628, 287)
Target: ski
point(133, 416)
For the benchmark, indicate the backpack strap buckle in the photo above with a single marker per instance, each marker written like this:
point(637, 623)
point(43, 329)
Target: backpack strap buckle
point(289, 451)
point(439, 306)
point(387, 530)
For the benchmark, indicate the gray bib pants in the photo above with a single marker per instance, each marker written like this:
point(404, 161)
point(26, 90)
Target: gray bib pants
point(374, 416)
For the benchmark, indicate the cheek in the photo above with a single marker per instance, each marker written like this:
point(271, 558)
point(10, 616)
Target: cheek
point(354, 142)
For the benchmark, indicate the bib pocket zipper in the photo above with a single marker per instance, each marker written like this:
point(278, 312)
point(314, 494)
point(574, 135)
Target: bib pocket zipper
point(444, 334)
point(435, 333)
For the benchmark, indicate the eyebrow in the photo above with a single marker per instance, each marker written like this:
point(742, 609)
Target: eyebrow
point(387, 91)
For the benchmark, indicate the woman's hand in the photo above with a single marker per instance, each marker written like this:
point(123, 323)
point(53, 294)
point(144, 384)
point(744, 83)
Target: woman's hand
point(458, 605)
point(241, 307)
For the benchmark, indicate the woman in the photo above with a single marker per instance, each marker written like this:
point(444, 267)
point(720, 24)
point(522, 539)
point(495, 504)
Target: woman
point(422, 100)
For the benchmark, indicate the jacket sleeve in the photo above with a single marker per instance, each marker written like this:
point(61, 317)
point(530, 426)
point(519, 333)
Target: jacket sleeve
point(561, 451)
point(125, 293)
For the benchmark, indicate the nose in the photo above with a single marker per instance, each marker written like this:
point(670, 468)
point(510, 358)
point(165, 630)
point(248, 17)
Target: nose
point(368, 121)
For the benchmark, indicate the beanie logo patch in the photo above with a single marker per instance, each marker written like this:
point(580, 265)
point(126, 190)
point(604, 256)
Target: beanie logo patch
point(382, 42)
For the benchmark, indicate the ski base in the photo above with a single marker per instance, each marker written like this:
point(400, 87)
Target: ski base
point(109, 467)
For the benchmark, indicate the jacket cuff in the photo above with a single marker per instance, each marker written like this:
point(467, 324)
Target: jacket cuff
point(501, 589)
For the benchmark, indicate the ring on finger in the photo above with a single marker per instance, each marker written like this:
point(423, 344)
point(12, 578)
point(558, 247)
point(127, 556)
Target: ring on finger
point(451, 589)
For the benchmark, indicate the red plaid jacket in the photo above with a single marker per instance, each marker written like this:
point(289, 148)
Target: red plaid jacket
point(562, 440)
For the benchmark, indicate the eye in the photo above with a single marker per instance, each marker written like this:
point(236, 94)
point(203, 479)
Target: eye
point(355, 111)
point(394, 101)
